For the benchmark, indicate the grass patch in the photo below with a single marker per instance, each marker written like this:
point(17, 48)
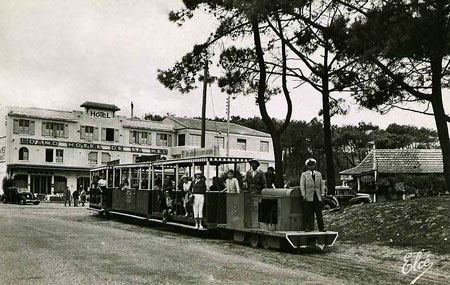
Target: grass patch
point(420, 223)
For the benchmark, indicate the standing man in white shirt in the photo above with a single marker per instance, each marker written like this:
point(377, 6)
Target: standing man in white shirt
point(311, 186)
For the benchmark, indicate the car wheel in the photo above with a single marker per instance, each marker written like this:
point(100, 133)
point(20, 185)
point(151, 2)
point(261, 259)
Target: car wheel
point(22, 201)
point(326, 207)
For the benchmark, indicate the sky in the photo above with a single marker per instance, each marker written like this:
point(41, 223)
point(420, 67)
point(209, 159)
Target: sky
point(56, 54)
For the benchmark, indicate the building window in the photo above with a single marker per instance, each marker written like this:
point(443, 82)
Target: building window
point(263, 146)
point(89, 133)
point(143, 138)
point(219, 142)
point(137, 137)
point(181, 140)
point(59, 155)
point(92, 157)
point(23, 153)
point(51, 129)
point(263, 166)
point(49, 155)
point(163, 140)
point(242, 144)
point(22, 126)
point(196, 140)
point(106, 157)
point(109, 135)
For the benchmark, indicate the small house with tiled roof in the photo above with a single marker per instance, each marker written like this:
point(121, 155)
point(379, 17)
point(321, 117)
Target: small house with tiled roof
point(381, 163)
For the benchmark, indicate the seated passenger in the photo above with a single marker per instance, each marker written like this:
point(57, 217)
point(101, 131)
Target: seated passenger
point(124, 185)
point(168, 185)
point(232, 184)
point(169, 203)
point(217, 185)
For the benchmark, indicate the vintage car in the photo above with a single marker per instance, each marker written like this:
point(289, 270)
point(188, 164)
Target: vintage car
point(346, 195)
point(19, 196)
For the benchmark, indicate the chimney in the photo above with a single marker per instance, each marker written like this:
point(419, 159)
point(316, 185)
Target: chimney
point(132, 107)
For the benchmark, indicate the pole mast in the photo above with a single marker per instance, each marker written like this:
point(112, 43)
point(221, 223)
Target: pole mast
point(228, 124)
point(205, 88)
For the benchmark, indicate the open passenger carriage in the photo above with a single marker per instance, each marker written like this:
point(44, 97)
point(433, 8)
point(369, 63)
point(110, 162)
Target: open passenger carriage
point(273, 219)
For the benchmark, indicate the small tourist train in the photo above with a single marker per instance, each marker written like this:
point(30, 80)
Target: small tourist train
point(271, 219)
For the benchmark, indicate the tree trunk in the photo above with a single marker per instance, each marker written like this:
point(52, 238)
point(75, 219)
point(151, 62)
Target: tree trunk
point(277, 149)
point(440, 118)
point(328, 144)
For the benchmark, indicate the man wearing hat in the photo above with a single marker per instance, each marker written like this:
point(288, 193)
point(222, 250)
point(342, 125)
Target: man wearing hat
point(311, 186)
point(255, 178)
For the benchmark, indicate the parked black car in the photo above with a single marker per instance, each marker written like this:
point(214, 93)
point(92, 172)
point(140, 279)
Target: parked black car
point(346, 195)
point(19, 196)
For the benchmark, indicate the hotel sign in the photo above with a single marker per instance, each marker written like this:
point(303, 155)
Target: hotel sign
point(199, 152)
point(92, 146)
point(100, 114)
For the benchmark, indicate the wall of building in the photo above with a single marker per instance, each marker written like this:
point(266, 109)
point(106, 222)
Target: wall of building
point(76, 147)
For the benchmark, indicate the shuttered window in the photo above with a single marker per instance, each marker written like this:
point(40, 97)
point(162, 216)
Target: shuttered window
point(139, 137)
point(51, 129)
point(163, 140)
point(110, 135)
point(89, 133)
point(23, 126)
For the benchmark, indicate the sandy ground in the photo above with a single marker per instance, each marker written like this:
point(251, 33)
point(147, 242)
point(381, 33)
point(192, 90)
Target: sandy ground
point(51, 244)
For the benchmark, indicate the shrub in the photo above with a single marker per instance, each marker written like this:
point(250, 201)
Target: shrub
point(7, 182)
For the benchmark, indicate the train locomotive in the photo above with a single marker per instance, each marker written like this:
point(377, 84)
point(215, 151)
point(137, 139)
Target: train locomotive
point(273, 219)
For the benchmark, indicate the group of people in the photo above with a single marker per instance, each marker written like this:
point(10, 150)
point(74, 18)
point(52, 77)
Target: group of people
point(311, 188)
point(77, 196)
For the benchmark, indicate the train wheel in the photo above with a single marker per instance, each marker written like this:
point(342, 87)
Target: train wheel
point(239, 236)
point(265, 242)
point(254, 240)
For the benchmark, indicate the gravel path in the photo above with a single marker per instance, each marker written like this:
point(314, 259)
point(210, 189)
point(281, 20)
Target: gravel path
point(51, 244)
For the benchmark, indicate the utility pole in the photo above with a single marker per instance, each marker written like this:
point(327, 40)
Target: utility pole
point(205, 88)
point(228, 124)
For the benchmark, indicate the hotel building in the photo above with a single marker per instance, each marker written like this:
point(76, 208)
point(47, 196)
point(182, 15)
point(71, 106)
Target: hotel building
point(47, 150)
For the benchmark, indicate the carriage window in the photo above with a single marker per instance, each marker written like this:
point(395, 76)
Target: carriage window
point(23, 153)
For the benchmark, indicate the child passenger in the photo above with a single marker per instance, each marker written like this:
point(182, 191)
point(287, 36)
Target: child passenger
point(232, 184)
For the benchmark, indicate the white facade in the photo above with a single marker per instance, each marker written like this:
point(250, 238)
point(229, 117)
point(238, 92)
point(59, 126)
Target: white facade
point(47, 150)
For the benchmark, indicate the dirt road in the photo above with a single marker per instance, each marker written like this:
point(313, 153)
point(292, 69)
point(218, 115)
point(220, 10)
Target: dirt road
point(51, 244)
